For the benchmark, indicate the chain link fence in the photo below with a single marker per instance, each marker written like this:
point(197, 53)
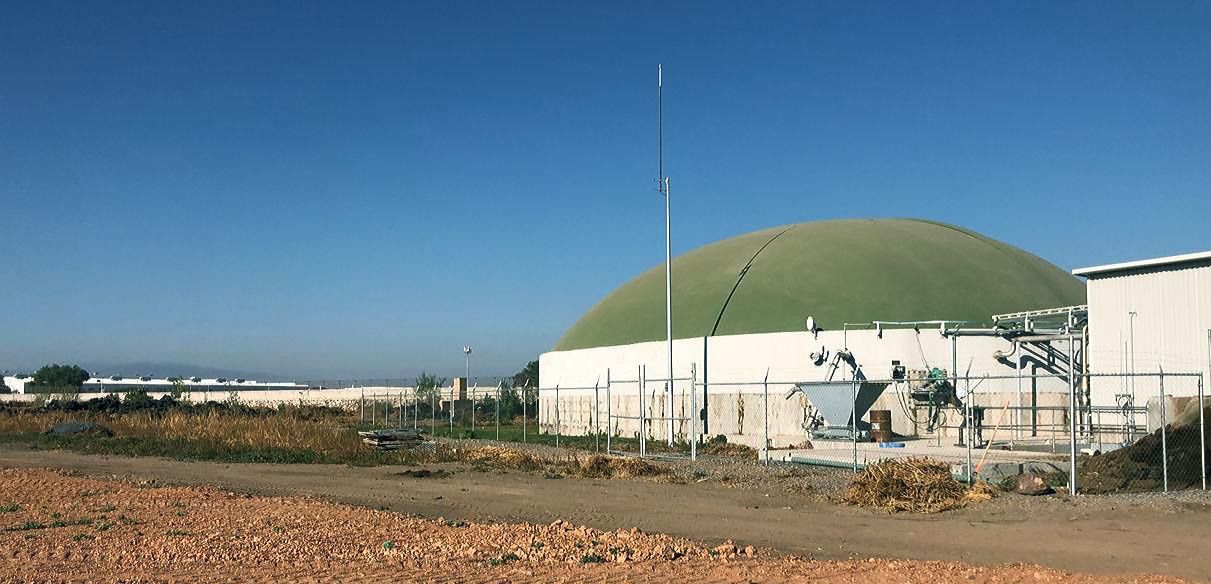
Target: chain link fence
point(1094, 433)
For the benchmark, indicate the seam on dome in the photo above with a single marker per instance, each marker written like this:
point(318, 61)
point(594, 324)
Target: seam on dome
point(744, 272)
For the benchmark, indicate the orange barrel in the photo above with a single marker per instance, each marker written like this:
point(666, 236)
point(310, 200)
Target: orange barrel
point(880, 425)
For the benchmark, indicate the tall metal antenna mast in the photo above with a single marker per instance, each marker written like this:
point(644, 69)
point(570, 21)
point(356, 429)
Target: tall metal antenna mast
point(662, 185)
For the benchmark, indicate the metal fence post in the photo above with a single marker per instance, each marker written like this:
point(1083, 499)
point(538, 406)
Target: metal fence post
point(693, 411)
point(433, 411)
point(642, 430)
point(400, 406)
point(596, 421)
point(1164, 431)
point(373, 414)
point(557, 415)
point(854, 418)
point(525, 390)
point(1072, 417)
point(498, 386)
point(362, 406)
point(765, 406)
point(1202, 433)
point(609, 414)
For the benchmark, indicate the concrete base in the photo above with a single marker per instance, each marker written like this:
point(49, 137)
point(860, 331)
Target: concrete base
point(998, 463)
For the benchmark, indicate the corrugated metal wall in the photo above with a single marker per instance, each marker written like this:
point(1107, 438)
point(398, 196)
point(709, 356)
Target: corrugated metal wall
point(1173, 313)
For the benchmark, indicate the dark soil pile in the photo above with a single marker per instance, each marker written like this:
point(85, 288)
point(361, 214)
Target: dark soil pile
point(1139, 467)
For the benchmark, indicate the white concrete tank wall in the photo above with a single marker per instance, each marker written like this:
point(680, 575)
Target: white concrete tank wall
point(735, 366)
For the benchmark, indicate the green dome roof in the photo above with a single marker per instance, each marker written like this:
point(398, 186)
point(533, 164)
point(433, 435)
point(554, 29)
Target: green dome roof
point(846, 270)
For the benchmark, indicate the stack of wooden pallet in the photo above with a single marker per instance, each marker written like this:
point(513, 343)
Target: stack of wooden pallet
point(393, 439)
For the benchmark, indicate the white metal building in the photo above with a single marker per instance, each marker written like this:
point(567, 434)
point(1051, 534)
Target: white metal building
point(1151, 314)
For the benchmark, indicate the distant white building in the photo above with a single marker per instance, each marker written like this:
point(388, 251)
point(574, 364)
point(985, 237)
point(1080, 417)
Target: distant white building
point(119, 383)
point(16, 383)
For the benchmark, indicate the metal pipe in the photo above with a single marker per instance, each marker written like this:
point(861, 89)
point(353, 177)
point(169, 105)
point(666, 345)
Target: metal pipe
point(1017, 414)
point(1131, 318)
point(765, 401)
point(1048, 338)
point(1072, 478)
point(705, 381)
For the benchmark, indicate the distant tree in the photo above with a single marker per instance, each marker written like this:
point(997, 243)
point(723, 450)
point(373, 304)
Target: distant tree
point(527, 376)
point(428, 387)
point(525, 380)
point(59, 376)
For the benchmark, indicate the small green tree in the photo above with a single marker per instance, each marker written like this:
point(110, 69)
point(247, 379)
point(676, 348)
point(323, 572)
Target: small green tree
point(510, 403)
point(428, 388)
point(58, 377)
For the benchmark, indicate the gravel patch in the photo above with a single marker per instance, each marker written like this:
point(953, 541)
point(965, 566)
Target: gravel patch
point(59, 528)
point(733, 472)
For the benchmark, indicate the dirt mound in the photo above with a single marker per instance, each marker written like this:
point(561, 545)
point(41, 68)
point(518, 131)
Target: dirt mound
point(1140, 467)
point(918, 485)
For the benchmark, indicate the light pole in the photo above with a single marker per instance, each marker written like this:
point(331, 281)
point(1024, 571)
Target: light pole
point(467, 352)
point(662, 185)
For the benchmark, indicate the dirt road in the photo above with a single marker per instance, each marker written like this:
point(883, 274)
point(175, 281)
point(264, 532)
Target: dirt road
point(1107, 536)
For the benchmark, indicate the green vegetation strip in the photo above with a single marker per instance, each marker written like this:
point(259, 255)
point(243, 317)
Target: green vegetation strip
point(30, 525)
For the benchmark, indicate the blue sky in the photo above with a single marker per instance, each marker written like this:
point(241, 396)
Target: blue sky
point(360, 189)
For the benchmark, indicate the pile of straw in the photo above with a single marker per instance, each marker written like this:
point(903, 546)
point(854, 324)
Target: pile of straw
point(917, 485)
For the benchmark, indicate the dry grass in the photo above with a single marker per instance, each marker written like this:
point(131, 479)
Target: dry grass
point(331, 437)
point(592, 466)
point(322, 436)
point(503, 458)
point(599, 466)
point(729, 449)
point(917, 485)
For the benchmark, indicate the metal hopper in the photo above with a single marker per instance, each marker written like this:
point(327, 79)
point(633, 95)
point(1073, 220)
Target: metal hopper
point(835, 405)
